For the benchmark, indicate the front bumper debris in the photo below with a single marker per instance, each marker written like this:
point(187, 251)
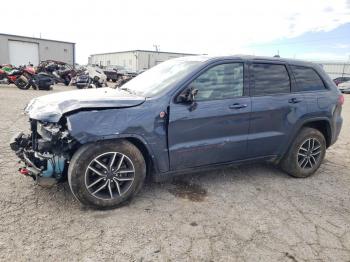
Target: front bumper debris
point(44, 152)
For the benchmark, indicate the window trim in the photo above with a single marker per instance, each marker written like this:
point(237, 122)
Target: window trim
point(298, 90)
point(252, 79)
point(210, 66)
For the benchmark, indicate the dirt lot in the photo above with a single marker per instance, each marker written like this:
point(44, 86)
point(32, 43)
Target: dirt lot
point(251, 213)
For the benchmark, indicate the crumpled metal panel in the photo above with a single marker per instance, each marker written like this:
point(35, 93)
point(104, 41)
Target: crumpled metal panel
point(50, 108)
point(142, 122)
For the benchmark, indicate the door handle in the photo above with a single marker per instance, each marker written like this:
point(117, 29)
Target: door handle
point(237, 106)
point(294, 100)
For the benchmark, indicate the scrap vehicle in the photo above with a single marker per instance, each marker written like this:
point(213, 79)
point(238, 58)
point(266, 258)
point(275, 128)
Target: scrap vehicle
point(344, 87)
point(20, 76)
point(111, 73)
point(340, 80)
point(123, 79)
point(186, 114)
point(116, 73)
point(91, 77)
point(60, 72)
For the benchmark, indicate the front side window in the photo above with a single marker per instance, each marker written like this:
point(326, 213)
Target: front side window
point(219, 82)
point(270, 79)
point(307, 79)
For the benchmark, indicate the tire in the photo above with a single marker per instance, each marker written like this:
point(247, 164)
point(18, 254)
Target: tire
point(108, 79)
point(114, 80)
point(84, 171)
point(21, 84)
point(66, 81)
point(301, 163)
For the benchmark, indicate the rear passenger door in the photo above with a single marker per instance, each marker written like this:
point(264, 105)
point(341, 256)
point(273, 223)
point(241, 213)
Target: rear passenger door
point(317, 95)
point(275, 109)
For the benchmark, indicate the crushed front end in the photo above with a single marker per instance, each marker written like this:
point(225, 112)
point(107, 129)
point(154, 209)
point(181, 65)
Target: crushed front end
point(45, 152)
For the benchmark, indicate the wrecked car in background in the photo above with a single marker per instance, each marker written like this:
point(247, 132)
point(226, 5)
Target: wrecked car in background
point(91, 77)
point(182, 115)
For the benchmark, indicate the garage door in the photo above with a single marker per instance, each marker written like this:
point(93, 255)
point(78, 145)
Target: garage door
point(22, 53)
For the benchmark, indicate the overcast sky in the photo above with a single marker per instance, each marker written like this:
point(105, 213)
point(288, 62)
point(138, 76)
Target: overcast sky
point(294, 27)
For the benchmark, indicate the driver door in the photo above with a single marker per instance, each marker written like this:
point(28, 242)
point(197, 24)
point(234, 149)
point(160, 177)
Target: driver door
point(214, 128)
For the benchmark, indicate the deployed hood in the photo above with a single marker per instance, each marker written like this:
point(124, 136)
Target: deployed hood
point(50, 108)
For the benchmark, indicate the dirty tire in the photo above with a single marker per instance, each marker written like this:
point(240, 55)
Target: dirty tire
point(22, 84)
point(85, 155)
point(290, 161)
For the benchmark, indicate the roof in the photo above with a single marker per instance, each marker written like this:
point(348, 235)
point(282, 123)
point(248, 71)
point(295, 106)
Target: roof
point(251, 58)
point(140, 50)
point(36, 38)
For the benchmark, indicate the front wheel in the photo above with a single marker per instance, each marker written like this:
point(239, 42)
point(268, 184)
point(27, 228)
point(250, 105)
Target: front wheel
point(22, 83)
point(106, 174)
point(305, 154)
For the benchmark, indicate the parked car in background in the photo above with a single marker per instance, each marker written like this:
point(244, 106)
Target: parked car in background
point(344, 87)
point(111, 73)
point(91, 77)
point(183, 115)
point(340, 80)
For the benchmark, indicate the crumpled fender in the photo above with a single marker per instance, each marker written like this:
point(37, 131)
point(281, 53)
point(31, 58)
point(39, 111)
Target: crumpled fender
point(134, 122)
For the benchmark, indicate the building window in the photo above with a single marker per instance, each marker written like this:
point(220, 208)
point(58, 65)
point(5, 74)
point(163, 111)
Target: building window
point(109, 62)
point(46, 48)
point(65, 50)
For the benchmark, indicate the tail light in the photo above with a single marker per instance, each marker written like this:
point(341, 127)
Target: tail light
point(341, 100)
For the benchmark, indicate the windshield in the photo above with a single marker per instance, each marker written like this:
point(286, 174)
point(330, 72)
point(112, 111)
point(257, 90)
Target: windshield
point(160, 77)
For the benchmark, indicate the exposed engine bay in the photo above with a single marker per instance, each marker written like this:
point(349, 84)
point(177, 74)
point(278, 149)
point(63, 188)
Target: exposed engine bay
point(45, 152)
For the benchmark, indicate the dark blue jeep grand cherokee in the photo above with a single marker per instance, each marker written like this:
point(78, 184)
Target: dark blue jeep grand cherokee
point(182, 115)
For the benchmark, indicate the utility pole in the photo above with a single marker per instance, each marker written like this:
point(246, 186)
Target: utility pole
point(156, 47)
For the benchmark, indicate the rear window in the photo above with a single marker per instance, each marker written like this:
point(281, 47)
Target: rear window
point(269, 79)
point(307, 79)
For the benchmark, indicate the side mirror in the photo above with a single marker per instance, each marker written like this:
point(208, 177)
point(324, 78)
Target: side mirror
point(188, 95)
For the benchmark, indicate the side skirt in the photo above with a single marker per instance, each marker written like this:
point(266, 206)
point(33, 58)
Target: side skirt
point(161, 177)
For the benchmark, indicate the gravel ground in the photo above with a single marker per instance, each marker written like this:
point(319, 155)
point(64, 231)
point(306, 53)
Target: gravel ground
point(250, 213)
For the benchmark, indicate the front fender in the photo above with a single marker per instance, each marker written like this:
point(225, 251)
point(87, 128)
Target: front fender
point(97, 125)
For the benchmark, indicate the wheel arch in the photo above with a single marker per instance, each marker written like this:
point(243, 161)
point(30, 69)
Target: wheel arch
point(323, 126)
point(140, 143)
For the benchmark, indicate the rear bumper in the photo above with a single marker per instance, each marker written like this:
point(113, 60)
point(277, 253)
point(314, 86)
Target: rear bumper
point(336, 129)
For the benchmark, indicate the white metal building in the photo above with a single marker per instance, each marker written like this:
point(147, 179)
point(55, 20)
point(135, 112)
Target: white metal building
point(335, 68)
point(21, 50)
point(134, 59)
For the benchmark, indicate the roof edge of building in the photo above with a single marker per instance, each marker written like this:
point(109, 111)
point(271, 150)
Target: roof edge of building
point(37, 38)
point(141, 50)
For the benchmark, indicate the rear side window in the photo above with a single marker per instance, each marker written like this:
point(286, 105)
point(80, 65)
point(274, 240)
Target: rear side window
point(269, 79)
point(307, 79)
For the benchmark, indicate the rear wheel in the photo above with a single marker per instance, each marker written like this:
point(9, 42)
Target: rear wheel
point(106, 174)
point(305, 154)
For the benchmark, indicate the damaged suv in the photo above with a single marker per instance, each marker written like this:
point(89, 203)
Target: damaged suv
point(182, 115)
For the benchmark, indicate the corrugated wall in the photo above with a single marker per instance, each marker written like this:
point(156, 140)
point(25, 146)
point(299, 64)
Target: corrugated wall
point(134, 60)
point(54, 50)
